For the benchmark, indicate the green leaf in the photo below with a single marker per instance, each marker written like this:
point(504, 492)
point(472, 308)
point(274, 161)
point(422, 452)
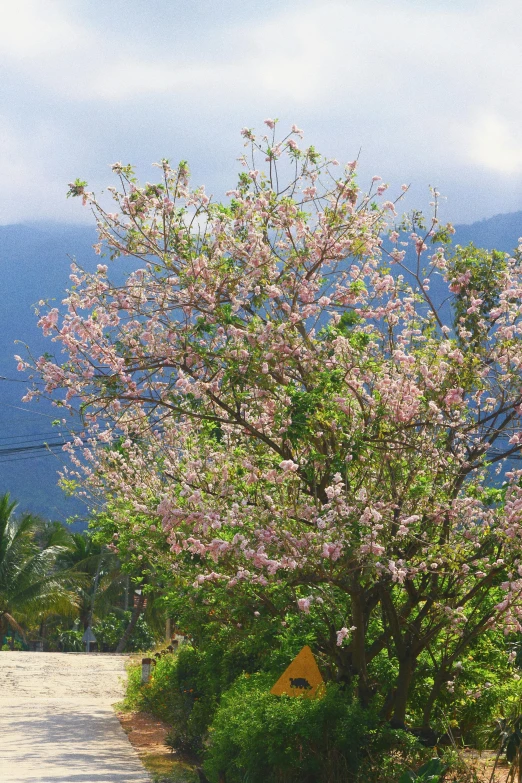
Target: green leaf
point(76, 188)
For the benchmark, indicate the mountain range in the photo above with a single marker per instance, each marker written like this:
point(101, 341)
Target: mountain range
point(35, 264)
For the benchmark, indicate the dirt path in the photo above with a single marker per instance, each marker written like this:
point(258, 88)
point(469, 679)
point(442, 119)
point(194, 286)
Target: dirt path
point(57, 724)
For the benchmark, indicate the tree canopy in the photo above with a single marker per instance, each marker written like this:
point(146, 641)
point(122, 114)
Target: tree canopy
point(298, 388)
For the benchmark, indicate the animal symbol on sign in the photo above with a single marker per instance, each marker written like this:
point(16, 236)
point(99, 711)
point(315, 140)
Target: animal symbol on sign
point(300, 682)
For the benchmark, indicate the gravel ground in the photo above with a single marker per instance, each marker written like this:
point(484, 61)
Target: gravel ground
point(57, 724)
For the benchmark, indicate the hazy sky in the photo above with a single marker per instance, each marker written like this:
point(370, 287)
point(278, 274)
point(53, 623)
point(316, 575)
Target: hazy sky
point(429, 89)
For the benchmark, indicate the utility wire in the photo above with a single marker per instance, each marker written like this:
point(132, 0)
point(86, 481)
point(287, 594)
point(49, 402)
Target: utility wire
point(7, 450)
point(8, 460)
point(28, 438)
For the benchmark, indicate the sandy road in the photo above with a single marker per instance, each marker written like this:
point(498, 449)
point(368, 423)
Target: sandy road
point(56, 720)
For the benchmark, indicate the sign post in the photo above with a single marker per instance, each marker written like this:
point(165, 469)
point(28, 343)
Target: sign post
point(145, 669)
point(88, 638)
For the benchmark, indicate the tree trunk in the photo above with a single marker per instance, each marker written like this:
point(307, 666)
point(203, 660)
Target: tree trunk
point(42, 632)
point(400, 702)
point(358, 646)
point(441, 678)
point(387, 707)
point(132, 624)
point(95, 590)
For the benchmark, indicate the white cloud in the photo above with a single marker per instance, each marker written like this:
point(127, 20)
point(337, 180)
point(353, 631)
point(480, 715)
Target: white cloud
point(31, 29)
point(382, 53)
point(415, 71)
point(28, 168)
point(496, 145)
point(126, 79)
point(421, 86)
point(14, 167)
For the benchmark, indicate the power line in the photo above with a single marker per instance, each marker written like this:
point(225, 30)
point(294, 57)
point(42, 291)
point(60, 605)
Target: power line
point(8, 460)
point(29, 437)
point(7, 450)
point(28, 410)
point(14, 380)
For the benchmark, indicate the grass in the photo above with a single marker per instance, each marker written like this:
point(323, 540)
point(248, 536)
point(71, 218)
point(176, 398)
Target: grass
point(165, 770)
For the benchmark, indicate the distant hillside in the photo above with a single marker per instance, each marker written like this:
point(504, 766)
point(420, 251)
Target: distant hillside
point(34, 265)
point(500, 232)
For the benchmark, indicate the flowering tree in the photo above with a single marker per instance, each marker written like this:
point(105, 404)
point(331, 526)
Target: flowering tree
point(276, 391)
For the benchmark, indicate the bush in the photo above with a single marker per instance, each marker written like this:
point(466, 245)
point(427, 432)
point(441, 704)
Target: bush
point(16, 645)
point(185, 688)
point(109, 631)
point(70, 641)
point(261, 738)
point(256, 736)
point(482, 683)
point(178, 693)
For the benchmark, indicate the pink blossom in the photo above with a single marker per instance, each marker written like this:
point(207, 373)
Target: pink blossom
point(343, 634)
point(304, 605)
point(372, 549)
point(454, 397)
point(332, 551)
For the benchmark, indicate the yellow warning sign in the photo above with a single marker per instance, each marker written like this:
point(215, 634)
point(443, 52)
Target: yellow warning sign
point(302, 678)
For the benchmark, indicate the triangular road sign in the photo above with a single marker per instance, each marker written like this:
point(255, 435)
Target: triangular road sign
point(88, 637)
point(302, 678)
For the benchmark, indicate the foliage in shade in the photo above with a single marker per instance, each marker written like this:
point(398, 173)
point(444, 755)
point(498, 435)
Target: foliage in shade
point(110, 629)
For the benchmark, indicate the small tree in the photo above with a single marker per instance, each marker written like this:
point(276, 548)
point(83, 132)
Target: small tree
point(301, 391)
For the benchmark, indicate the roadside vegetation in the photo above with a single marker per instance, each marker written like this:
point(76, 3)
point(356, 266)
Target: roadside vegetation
point(214, 693)
point(55, 584)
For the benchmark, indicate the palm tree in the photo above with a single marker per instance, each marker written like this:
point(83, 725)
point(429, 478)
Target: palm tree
point(30, 585)
point(100, 579)
point(108, 588)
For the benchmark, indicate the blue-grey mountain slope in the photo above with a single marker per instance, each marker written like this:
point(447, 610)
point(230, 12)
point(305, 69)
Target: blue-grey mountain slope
point(34, 264)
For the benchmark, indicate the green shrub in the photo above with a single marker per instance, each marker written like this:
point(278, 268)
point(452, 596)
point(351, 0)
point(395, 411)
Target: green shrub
point(133, 688)
point(262, 738)
point(109, 631)
point(178, 693)
point(185, 689)
point(16, 645)
point(255, 736)
point(70, 641)
point(431, 772)
point(482, 683)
